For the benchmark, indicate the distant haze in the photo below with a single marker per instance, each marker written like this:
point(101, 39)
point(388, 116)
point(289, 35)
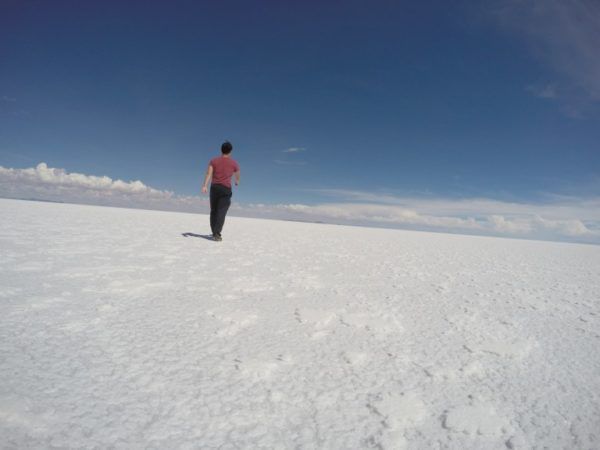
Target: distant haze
point(557, 218)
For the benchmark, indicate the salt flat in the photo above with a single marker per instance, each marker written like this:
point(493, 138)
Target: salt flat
point(116, 330)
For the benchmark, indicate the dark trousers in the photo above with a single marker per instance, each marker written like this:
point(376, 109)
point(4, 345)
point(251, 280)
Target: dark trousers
point(220, 199)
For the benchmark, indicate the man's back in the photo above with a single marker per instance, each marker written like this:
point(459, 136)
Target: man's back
point(223, 169)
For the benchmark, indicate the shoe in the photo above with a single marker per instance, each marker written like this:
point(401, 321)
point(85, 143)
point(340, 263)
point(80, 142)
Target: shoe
point(217, 237)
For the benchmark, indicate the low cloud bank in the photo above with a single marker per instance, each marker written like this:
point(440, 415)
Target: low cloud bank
point(46, 183)
point(560, 218)
point(529, 226)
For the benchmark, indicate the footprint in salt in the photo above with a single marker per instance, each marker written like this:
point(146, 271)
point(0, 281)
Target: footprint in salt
point(319, 318)
point(356, 359)
point(474, 420)
point(106, 308)
point(515, 349)
point(398, 412)
point(257, 369)
point(262, 369)
point(378, 325)
point(233, 321)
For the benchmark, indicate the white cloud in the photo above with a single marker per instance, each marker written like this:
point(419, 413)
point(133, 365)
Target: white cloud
point(290, 163)
point(294, 150)
point(502, 225)
point(558, 218)
point(46, 183)
point(557, 206)
point(43, 174)
point(572, 227)
point(563, 33)
point(548, 91)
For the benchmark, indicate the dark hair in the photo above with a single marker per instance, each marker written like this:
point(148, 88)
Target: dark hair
point(226, 148)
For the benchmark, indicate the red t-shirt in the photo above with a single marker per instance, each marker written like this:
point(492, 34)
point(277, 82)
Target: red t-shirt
point(223, 169)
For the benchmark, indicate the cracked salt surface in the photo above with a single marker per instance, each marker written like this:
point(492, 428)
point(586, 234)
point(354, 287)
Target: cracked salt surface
point(118, 331)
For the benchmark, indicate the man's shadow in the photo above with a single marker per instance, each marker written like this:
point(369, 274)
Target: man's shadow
point(203, 236)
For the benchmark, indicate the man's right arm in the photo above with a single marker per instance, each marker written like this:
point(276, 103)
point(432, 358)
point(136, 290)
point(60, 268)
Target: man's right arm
point(237, 177)
point(207, 178)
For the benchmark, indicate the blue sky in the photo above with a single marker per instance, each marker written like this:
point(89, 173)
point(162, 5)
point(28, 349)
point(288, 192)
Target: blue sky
point(421, 100)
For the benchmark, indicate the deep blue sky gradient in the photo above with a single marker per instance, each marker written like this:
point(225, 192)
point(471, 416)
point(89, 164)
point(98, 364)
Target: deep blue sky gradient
point(424, 98)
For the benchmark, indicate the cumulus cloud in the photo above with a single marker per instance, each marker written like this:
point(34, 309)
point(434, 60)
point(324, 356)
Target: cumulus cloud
point(503, 225)
point(46, 183)
point(558, 218)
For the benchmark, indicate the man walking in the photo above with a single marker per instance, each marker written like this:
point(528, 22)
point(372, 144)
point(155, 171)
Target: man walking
point(220, 169)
